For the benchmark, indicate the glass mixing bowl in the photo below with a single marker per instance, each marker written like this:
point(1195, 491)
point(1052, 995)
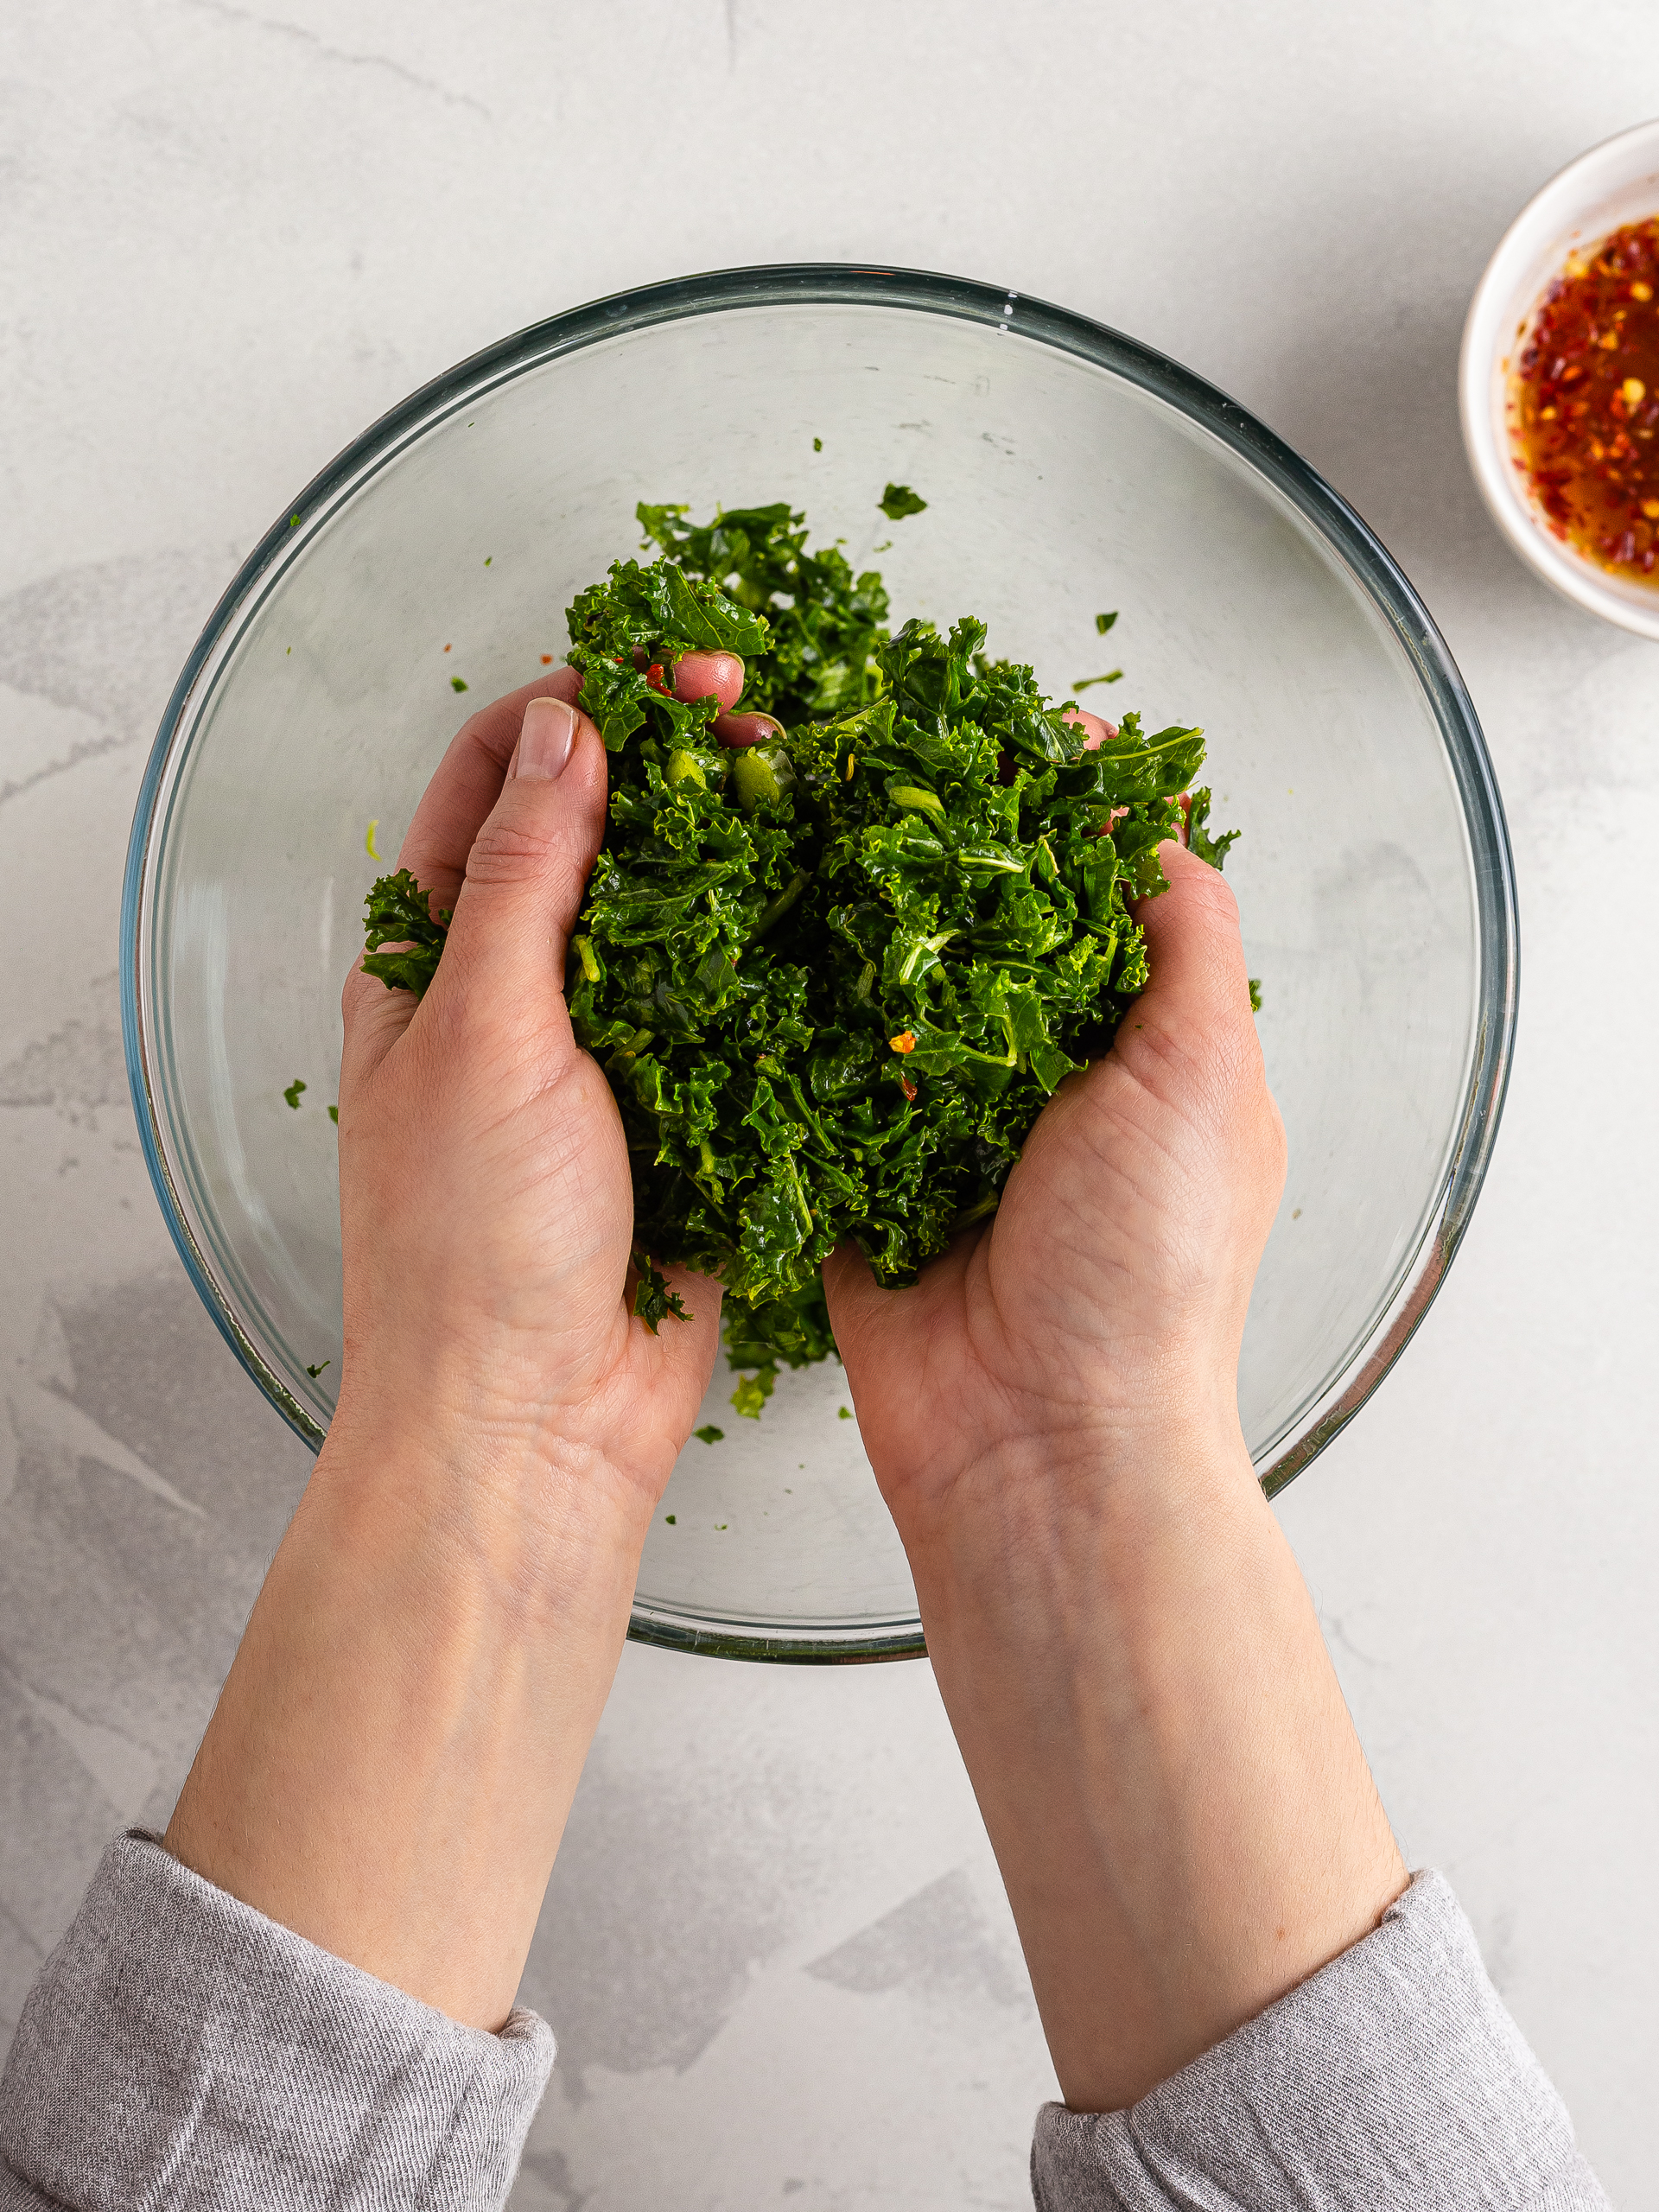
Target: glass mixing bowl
point(1067, 471)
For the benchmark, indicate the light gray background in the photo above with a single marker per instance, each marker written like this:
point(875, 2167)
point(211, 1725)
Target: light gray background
point(774, 1949)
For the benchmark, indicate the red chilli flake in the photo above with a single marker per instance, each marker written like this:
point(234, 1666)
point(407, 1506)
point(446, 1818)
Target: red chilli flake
point(904, 1042)
point(547, 659)
point(1584, 402)
point(908, 1086)
point(654, 677)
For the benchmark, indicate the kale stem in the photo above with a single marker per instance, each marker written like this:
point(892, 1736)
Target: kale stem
point(777, 906)
point(986, 1205)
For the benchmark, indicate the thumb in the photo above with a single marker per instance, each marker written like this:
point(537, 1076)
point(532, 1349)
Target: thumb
point(1190, 1034)
point(1193, 948)
point(529, 862)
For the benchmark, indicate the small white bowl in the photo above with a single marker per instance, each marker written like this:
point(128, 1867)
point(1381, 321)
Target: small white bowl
point(1614, 183)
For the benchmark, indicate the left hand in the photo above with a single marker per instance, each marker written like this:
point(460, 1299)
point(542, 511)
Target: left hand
point(393, 1759)
point(487, 1207)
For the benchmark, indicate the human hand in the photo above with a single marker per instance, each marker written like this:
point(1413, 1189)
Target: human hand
point(1127, 1654)
point(389, 1765)
point(1098, 1313)
point(487, 1207)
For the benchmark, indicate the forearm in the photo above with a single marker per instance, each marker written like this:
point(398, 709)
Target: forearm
point(390, 1763)
point(1181, 1810)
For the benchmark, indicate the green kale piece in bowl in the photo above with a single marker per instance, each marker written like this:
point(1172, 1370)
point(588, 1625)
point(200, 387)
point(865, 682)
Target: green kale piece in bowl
point(834, 978)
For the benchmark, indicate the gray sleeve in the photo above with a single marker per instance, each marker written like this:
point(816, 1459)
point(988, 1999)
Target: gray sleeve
point(180, 2049)
point(1394, 2076)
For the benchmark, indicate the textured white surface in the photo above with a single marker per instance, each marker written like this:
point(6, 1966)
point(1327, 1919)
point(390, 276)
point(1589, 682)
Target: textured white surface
point(774, 1949)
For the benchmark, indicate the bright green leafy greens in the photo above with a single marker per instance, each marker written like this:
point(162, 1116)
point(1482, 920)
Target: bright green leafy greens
point(397, 912)
point(898, 500)
point(832, 979)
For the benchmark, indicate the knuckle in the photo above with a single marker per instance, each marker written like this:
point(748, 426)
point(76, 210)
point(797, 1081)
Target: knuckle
point(1213, 892)
point(511, 852)
point(360, 994)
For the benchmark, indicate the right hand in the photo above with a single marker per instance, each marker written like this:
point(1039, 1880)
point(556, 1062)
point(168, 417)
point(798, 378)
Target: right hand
point(1127, 1654)
point(1099, 1312)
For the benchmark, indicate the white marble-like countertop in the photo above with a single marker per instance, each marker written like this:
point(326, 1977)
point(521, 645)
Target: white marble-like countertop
point(774, 1951)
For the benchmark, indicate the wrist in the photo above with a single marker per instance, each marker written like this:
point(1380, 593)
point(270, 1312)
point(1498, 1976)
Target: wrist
point(389, 1765)
point(479, 1493)
point(1136, 1677)
point(1121, 1478)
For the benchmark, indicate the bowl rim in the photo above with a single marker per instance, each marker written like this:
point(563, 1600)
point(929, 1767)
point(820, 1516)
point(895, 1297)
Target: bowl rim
point(1562, 211)
point(1003, 310)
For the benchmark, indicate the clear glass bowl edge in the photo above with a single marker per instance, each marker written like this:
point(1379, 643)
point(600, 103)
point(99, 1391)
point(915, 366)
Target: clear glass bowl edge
point(815, 283)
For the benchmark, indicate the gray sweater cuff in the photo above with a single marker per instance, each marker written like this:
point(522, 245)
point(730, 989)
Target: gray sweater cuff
point(1394, 2076)
point(181, 2049)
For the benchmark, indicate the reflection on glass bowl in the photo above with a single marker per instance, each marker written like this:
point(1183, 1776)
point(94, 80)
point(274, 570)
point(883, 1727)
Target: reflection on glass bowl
point(1067, 470)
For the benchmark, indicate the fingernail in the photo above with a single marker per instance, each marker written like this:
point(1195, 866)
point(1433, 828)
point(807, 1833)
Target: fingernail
point(703, 673)
point(737, 731)
point(545, 738)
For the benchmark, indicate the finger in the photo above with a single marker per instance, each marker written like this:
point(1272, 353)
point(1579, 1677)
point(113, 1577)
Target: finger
point(670, 1369)
point(737, 731)
point(687, 1341)
point(859, 1312)
point(529, 863)
point(1097, 730)
point(1194, 951)
point(857, 1301)
point(710, 676)
point(720, 676)
point(865, 1313)
point(860, 1302)
point(467, 783)
point(375, 1017)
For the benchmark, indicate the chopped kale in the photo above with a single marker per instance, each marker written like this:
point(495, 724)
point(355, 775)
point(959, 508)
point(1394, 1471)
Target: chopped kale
point(398, 912)
point(1213, 849)
point(754, 1390)
point(458, 683)
point(292, 1094)
point(333, 1113)
point(832, 979)
point(1104, 622)
point(653, 1302)
point(1084, 683)
point(708, 1434)
point(314, 1371)
point(897, 501)
point(1255, 994)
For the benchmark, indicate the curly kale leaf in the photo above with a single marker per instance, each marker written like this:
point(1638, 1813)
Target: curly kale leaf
point(653, 1302)
point(834, 980)
point(1213, 849)
point(824, 623)
point(398, 912)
